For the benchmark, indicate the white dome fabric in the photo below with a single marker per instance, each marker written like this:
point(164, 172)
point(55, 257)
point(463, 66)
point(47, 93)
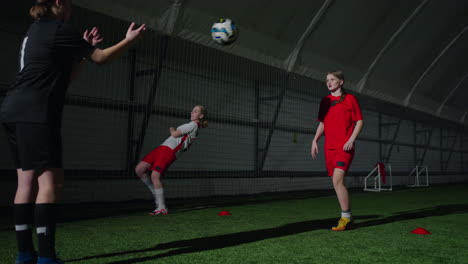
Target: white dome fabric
point(410, 53)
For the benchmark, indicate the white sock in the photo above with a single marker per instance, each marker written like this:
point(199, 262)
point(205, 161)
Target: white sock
point(159, 194)
point(147, 181)
point(346, 214)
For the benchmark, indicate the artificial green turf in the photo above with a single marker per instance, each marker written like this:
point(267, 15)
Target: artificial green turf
point(289, 230)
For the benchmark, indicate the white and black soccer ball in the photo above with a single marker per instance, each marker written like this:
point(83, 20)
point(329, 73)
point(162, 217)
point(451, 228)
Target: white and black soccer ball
point(224, 31)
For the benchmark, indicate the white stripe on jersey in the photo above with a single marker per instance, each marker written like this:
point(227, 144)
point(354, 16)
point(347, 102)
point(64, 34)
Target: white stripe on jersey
point(189, 134)
point(23, 47)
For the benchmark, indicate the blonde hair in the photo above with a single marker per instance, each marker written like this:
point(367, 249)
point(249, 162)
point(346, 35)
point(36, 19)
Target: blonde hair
point(340, 75)
point(204, 120)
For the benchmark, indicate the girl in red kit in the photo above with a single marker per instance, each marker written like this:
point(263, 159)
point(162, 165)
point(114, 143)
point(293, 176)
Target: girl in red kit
point(340, 119)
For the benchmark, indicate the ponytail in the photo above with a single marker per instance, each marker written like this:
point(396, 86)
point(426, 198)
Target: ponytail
point(204, 123)
point(41, 8)
point(204, 120)
point(343, 95)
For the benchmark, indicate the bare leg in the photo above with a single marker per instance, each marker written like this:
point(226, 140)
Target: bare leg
point(25, 192)
point(141, 171)
point(142, 168)
point(156, 178)
point(340, 189)
point(50, 182)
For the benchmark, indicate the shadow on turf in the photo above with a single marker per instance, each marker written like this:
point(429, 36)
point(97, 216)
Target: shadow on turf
point(217, 242)
point(229, 240)
point(86, 211)
point(416, 214)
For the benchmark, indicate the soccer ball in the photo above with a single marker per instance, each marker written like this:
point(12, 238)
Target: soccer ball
point(224, 31)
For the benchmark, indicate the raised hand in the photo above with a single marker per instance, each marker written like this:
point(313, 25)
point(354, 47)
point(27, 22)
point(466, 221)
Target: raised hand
point(92, 37)
point(134, 34)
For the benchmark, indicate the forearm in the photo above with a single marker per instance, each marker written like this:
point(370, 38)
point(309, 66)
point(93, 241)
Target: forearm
point(357, 130)
point(106, 55)
point(175, 133)
point(319, 132)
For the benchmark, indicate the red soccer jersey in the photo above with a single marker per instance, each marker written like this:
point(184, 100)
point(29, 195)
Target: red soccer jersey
point(338, 119)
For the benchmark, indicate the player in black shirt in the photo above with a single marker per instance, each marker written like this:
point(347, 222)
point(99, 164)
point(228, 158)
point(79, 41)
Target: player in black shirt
point(31, 113)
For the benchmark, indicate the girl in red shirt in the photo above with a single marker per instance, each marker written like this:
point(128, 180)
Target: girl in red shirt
point(340, 120)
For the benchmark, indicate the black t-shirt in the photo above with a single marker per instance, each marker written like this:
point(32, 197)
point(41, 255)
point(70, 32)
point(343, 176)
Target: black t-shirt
point(47, 54)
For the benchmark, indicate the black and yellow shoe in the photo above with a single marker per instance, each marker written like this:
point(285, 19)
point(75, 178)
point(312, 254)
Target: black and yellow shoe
point(343, 224)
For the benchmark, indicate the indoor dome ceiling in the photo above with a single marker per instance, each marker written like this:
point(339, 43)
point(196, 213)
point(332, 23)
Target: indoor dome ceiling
point(411, 53)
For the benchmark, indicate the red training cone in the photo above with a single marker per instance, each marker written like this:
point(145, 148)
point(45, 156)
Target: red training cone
point(420, 231)
point(224, 213)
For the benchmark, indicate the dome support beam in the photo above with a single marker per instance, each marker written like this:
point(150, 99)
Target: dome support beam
point(436, 60)
point(463, 118)
point(362, 83)
point(172, 16)
point(291, 60)
point(439, 110)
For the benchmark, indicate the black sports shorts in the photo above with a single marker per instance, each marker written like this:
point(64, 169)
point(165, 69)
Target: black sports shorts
point(35, 146)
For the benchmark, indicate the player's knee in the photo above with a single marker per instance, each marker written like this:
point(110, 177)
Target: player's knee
point(139, 171)
point(155, 176)
point(24, 189)
point(50, 188)
point(337, 182)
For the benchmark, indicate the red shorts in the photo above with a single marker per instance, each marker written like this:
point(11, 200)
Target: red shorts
point(160, 158)
point(338, 158)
